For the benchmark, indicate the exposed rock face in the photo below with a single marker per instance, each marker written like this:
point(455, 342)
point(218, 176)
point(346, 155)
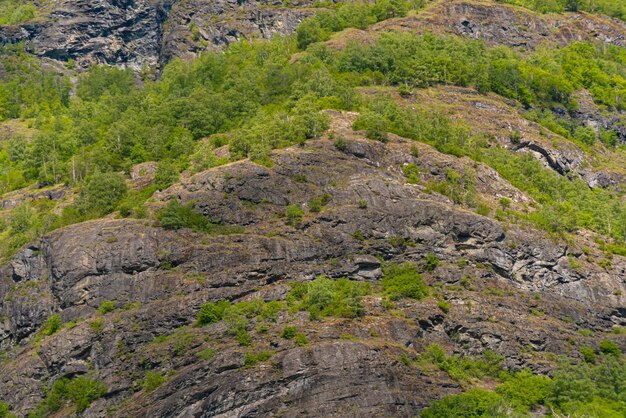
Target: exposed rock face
point(144, 34)
point(501, 24)
point(125, 33)
point(74, 270)
point(195, 26)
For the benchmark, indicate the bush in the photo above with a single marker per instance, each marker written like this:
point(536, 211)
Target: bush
point(475, 403)
point(212, 312)
point(100, 193)
point(444, 306)
point(289, 332)
point(589, 354)
point(325, 297)
point(610, 348)
point(294, 214)
point(461, 368)
point(80, 391)
point(301, 339)
point(412, 173)
point(431, 262)
point(525, 390)
point(52, 325)
point(375, 126)
point(252, 359)
point(403, 280)
point(176, 216)
point(106, 307)
point(5, 411)
point(152, 381)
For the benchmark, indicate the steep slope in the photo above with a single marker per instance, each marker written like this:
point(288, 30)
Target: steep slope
point(144, 35)
point(159, 279)
point(282, 259)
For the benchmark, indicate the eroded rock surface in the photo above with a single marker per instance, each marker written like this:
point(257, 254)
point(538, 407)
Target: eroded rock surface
point(159, 279)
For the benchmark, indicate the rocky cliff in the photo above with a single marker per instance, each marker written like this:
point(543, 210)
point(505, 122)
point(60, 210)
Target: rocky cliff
point(144, 35)
point(127, 293)
point(495, 279)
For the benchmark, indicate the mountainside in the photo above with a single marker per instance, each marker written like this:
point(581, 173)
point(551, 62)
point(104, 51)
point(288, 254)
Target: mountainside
point(143, 34)
point(355, 209)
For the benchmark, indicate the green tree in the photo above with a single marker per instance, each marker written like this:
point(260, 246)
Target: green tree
point(101, 192)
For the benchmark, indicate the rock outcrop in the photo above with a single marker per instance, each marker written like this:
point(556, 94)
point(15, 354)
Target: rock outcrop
point(144, 35)
point(159, 279)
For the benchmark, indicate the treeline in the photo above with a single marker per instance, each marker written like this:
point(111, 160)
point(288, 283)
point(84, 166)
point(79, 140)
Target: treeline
point(258, 96)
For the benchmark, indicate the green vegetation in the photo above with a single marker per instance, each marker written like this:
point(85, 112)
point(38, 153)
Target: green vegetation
point(176, 216)
point(566, 204)
point(252, 359)
point(152, 381)
point(403, 280)
point(255, 98)
point(79, 392)
point(207, 354)
point(51, 326)
point(237, 316)
point(294, 214)
point(13, 12)
point(590, 390)
point(212, 312)
point(613, 8)
point(358, 14)
point(325, 297)
point(412, 173)
point(5, 411)
point(106, 306)
point(461, 368)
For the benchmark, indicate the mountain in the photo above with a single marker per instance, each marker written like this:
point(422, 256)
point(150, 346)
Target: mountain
point(248, 208)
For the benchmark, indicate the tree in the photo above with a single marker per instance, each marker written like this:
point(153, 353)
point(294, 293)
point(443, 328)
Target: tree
point(308, 32)
point(101, 192)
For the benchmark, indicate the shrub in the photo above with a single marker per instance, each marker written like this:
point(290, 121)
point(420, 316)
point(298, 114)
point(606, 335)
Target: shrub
point(97, 325)
point(461, 368)
point(474, 403)
point(106, 307)
point(212, 312)
point(152, 381)
point(294, 214)
point(301, 339)
point(176, 216)
point(431, 262)
point(289, 332)
point(325, 297)
point(444, 306)
point(52, 325)
point(252, 359)
point(5, 411)
point(100, 193)
point(243, 338)
point(80, 391)
point(341, 145)
point(412, 173)
point(207, 354)
point(610, 348)
point(525, 390)
point(165, 175)
point(403, 280)
point(374, 125)
point(181, 344)
point(589, 354)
